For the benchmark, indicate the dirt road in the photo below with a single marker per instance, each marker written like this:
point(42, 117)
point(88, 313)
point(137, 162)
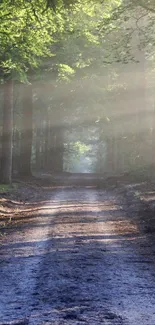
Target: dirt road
point(83, 260)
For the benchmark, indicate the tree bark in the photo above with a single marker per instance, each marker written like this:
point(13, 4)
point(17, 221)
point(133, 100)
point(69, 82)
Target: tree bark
point(7, 134)
point(16, 152)
point(59, 150)
point(153, 139)
point(37, 147)
point(26, 138)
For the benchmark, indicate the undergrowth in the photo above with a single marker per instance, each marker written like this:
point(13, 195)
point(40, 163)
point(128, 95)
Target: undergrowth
point(5, 188)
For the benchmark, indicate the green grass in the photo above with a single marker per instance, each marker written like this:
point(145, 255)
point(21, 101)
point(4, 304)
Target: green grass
point(4, 188)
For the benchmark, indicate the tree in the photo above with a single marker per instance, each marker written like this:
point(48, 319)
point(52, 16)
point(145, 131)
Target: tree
point(6, 163)
point(25, 36)
point(27, 129)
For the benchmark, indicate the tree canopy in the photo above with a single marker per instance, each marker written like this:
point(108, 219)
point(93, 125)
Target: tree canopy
point(29, 33)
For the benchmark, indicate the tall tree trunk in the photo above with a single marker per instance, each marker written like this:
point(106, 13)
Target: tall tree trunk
point(7, 135)
point(48, 143)
point(110, 155)
point(16, 152)
point(59, 149)
point(26, 139)
point(37, 138)
point(37, 146)
point(51, 149)
point(153, 138)
point(42, 142)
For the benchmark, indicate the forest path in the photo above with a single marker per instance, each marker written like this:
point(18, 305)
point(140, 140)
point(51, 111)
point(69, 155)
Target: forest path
point(82, 261)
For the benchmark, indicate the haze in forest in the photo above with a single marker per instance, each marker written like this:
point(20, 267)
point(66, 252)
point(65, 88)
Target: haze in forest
point(77, 88)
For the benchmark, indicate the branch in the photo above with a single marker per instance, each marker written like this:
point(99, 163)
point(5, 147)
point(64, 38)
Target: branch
point(144, 5)
point(148, 8)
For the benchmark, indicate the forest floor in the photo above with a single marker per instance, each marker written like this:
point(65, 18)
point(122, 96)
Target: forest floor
point(77, 250)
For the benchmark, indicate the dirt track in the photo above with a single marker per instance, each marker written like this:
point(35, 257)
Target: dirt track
point(82, 260)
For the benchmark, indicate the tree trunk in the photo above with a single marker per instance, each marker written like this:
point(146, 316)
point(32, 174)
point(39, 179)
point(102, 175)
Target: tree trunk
point(26, 138)
point(110, 155)
point(37, 147)
point(51, 149)
point(16, 152)
point(48, 144)
point(153, 139)
point(59, 150)
point(6, 162)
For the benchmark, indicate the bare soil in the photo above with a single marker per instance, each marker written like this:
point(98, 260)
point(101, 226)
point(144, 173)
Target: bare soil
point(77, 251)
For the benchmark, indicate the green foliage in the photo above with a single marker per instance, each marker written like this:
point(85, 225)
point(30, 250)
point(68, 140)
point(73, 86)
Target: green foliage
point(30, 33)
point(25, 36)
point(73, 32)
point(80, 148)
point(64, 72)
point(77, 156)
